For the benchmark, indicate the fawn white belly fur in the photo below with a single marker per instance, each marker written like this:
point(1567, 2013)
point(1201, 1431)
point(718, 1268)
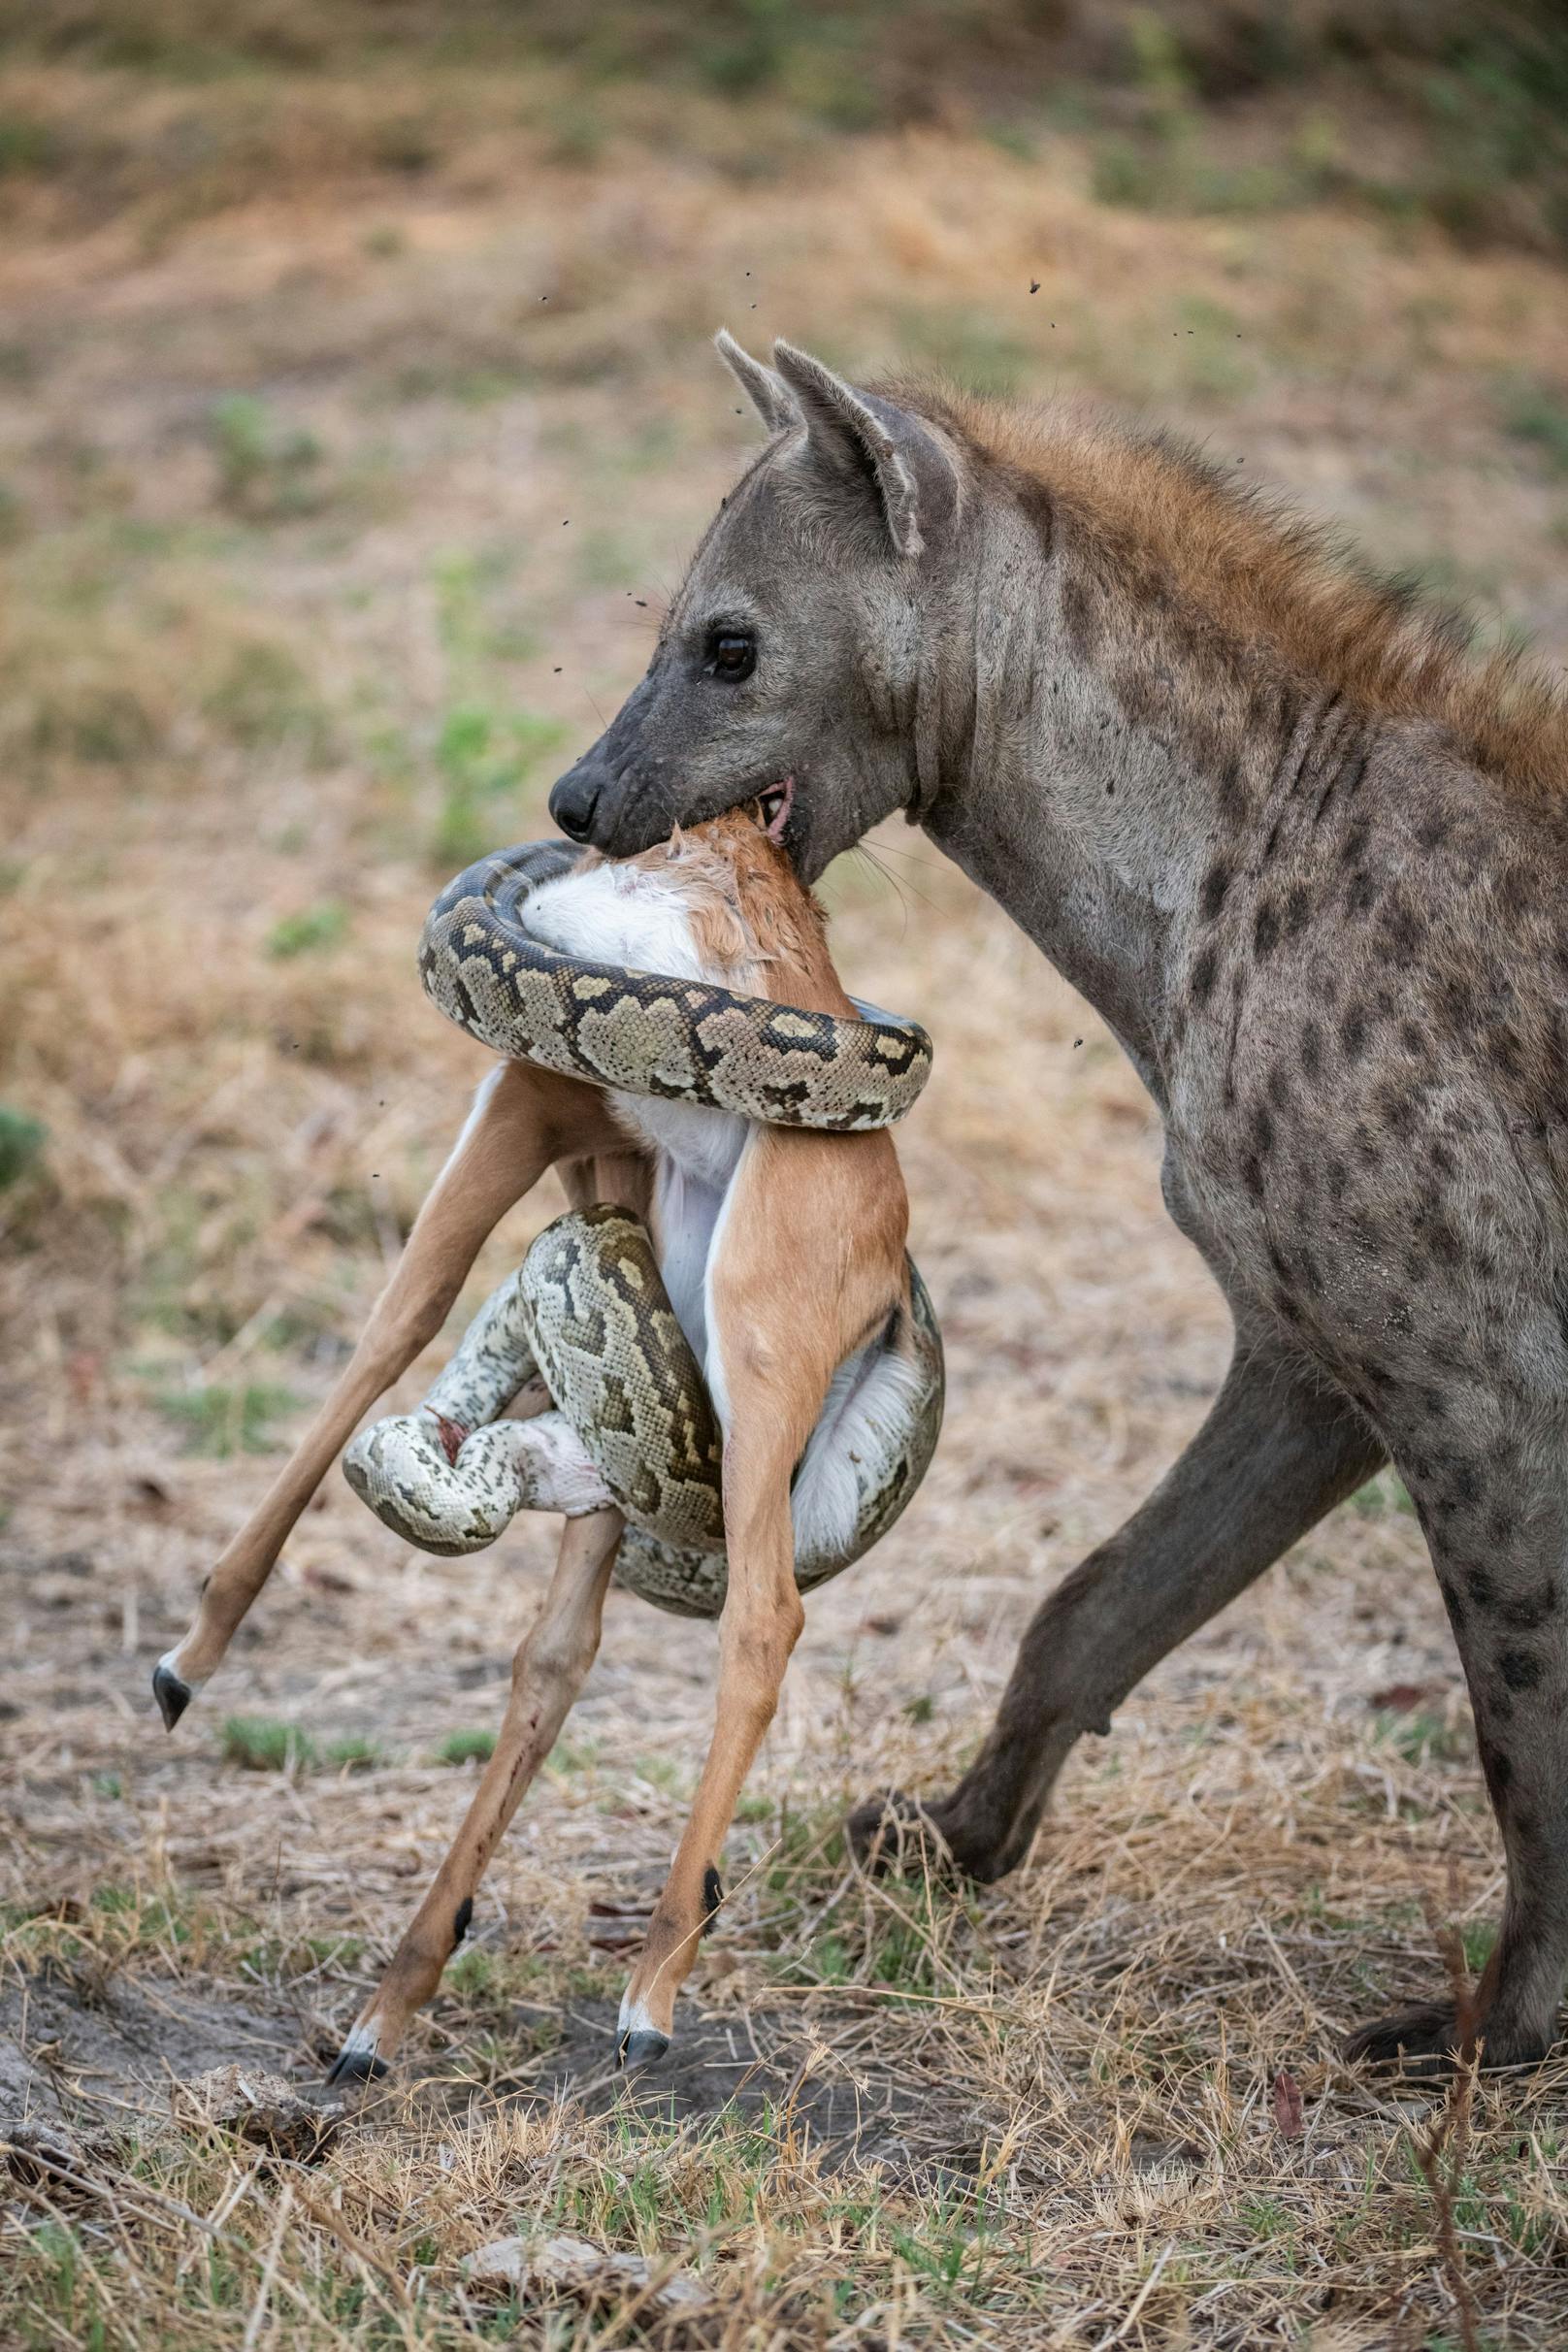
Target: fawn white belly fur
point(625, 914)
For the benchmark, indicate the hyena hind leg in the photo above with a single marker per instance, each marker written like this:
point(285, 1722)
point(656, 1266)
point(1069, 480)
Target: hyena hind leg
point(1498, 1535)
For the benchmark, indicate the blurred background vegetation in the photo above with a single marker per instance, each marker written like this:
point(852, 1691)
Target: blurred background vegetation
point(1418, 107)
point(355, 407)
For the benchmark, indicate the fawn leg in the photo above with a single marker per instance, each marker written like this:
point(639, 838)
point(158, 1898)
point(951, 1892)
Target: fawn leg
point(778, 1326)
point(1277, 1451)
point(758, 1630)
point(548, 1673)
point(523, 1119)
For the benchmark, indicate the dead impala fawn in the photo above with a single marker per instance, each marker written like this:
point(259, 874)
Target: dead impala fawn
point(782, 1252)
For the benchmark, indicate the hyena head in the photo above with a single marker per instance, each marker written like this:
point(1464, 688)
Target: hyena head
point(787, 666)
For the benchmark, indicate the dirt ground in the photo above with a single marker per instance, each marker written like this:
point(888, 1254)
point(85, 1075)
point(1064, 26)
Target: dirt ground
point(335, 518)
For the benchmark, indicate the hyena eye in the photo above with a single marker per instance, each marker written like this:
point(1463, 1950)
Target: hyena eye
point(732, 655)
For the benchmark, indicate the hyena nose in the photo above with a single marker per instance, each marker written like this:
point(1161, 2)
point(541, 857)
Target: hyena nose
point(576, 798)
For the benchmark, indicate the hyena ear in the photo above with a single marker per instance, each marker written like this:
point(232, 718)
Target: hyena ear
point(767, 392)
point(862, 438)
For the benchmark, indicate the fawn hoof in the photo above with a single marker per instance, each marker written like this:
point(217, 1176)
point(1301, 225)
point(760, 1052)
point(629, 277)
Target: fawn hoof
point(357, 2066)
point(172, 1695)
point(643, 2047)
point(358, 2061)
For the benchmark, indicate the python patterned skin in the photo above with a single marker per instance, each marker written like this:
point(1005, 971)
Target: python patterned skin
point(650, 1034)
point(631, 1422)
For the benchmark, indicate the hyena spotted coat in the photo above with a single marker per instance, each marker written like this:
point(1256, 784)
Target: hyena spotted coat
point(1309, 861)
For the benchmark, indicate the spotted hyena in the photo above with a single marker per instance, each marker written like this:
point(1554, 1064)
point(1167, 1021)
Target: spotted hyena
point(1309, 861)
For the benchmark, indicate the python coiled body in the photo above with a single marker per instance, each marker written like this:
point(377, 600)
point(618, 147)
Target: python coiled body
point(630, 1420)
point(649, 1034)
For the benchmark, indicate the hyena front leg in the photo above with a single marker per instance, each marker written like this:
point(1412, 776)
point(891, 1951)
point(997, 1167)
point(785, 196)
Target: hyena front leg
point(1497, 1527)
point(547, 1676)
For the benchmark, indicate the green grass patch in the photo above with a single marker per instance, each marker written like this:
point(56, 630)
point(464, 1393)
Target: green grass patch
point(465, 1747)
point(472, 1976)
point(309, 929)
point(262, 1744)
point(280, 1959)
point(482, 758)
point(21, 1144)
point(261, 697)
point(1476, 1940)
point(221, 1421)
point(808, 1851)
point(353, 1753)
point(1382, 1497)
point(1539, 416)
point(117, 1923)
point(268, 469)
point(1423, 1735)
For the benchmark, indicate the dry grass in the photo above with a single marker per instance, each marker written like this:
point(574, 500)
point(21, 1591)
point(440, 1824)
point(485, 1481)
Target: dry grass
point(267, 669)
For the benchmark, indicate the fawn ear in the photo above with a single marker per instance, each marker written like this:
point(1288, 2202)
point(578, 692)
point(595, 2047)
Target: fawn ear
point(767, 392)
point(863, 439)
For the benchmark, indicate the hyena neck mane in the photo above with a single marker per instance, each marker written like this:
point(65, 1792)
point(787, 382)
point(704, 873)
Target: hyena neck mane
point(1154, 531)
point(1138, 676)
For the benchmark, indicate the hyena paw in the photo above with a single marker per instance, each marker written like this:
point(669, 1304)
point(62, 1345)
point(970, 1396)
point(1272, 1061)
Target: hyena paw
point(896, 1833)
point(1424, 2040)
point(891, 1833)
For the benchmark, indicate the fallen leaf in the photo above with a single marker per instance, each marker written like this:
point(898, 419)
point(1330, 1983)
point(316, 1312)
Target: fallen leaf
point(1287, 2121)
point(1400, 1698)
point(611, 1925)
point(327, 1580)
